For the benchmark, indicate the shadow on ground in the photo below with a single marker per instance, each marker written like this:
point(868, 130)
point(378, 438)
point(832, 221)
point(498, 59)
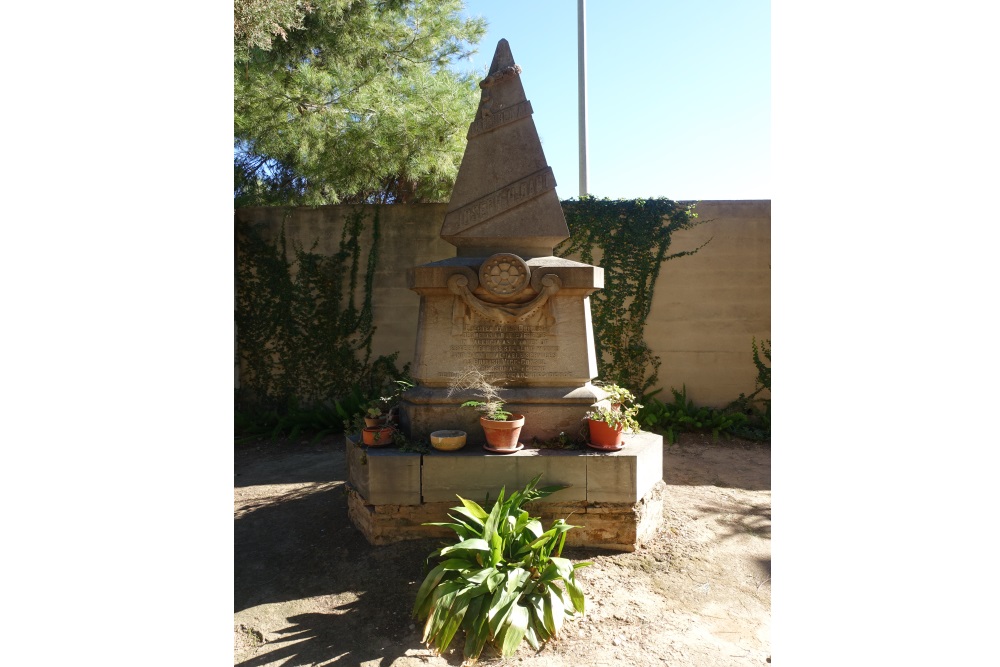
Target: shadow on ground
point(308, 588)
point(300, 547)
point(741, 519)
point(698, 460)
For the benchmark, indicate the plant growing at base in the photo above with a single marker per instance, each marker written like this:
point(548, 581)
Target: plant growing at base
point(380, 435)
point(622, 411)
point(489, 403)
point(670, 419)
point(373, 416)
point(502, 581)
point(382, 409)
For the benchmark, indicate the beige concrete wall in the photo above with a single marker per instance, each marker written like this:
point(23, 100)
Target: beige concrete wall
point(410, 237)
point(706, 308)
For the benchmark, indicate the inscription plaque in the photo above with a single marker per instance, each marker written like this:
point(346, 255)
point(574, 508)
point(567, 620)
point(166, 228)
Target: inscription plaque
point(503, 199)
point(502, 117)
point(512, 352)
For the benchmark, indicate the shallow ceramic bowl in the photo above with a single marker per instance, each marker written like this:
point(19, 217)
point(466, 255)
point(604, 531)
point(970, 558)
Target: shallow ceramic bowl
point(448, 441)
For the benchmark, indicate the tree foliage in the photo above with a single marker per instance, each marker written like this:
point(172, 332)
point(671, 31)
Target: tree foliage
point(257, 22)
point(362, 104)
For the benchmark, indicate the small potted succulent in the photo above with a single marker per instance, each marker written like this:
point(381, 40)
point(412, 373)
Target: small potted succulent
point(374, 417)
point(382, 412)
point(373, 436)
point(501, 427)
point(607, 423)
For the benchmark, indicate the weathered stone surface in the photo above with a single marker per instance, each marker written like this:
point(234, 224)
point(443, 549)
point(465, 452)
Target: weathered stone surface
point(627, 475)
point(475, 474)
point(383, 476)
point(614, 497)
point(616, 526)
point(548, 411)
point(504, 197)
point(465, 326)
point(507, 307)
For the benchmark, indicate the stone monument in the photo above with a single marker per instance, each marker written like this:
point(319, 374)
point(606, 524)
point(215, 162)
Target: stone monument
point(504, 305)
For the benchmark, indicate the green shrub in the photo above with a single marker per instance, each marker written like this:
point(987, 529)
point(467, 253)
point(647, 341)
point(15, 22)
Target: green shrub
point(502, 581)
point(293, 419)
point(670, 419)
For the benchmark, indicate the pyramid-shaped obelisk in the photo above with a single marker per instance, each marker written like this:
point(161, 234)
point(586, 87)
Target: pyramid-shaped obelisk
point(504, 197)
point(504, 304)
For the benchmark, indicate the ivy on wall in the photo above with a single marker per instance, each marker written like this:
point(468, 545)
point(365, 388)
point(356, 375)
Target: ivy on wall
point(304, 320)
point(630, 238)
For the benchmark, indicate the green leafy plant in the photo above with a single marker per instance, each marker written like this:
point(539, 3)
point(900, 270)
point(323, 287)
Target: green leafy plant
point(622, 411)
point(763, 370)
point(502, 581)
point(406, 445)
point(489, 403)
point(756, 410)
point(670, 419)
point(389, 402)
point(293, 420)
point(632, 239)
point(358, 426)
point(304, 321)
point(365, 100)
point(561, 441)
point(357, 423)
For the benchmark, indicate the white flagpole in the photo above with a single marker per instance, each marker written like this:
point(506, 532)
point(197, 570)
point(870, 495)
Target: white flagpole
point(581, 41)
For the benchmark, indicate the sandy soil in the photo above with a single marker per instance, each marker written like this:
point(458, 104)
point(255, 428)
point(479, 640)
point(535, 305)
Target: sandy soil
point(309, 590)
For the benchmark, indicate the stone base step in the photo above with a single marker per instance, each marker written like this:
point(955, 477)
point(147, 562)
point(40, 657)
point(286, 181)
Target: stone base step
point(616, 498)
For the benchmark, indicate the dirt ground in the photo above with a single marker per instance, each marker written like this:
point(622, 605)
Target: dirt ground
point(309, 590)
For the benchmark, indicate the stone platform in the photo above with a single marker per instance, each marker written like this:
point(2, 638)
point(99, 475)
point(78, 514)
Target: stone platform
point(616, 498)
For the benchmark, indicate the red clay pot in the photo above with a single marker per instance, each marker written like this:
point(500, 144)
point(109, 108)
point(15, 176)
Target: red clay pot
point(502, 435)
point(384, 436)
point(602, 435)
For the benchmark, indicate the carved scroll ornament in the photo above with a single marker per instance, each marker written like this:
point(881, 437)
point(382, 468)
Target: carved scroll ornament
point(458, 284)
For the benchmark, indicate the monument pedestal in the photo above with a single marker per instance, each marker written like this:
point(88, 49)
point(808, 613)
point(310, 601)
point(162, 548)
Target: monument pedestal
point(536, 342)
point(508, 308)
point(616, 498)
point(548, 412)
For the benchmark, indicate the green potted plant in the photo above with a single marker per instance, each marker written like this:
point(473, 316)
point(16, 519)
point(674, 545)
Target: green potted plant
point(374, 417)
point(373, 436)
point(390, 402)
point(607, 423)
point(501, 427)
point(382, 411)
point(502, 581)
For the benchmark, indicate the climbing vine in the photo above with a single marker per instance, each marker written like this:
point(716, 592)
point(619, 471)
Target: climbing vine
point(304, 320)
point(630, 238)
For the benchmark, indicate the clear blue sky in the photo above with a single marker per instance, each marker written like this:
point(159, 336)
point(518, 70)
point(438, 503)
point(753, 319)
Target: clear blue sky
point(678, 92)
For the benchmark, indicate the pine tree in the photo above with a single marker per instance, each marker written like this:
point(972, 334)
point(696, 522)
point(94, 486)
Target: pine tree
point(363, 103)
point(257, 22)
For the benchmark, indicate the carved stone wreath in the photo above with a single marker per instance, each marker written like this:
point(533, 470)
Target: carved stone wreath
point(504, 274)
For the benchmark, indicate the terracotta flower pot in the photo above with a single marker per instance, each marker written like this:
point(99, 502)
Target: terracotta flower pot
point(602, 435)
point(502, 435)
point(374, 422)
point(384, 438)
